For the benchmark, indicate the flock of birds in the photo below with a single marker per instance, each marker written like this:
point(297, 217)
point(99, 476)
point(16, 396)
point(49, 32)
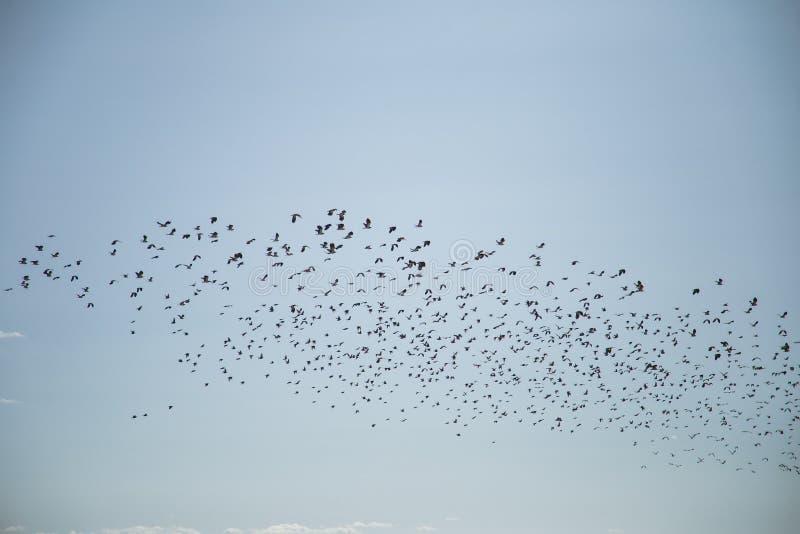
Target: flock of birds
point(474, 338)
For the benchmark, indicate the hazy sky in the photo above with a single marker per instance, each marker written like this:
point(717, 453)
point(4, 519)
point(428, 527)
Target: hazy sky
point(663, 136)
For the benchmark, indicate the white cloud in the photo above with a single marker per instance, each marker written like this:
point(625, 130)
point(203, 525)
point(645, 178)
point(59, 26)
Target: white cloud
point(357, 527)
point(452, 519)
point(11, 401)
point(295, 528)
point(14, 528)
point(615, 531)
point(426, 528)
point(9, 335)
point(150, 530)
point(140, 529)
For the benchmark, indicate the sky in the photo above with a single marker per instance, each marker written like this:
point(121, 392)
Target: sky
point(658, 136)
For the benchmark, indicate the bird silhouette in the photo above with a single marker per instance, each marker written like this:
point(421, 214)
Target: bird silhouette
point(366, 316)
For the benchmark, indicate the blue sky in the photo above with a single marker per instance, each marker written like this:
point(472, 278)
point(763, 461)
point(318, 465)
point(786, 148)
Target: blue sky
point(662, 137)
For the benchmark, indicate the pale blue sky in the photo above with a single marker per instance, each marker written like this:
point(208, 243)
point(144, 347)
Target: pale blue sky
point(659, 136)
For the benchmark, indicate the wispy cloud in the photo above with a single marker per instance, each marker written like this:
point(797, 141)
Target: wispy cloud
point(11, 401)
point(615, 531)
point(14, 528)
point(141, 529)
point(150, 530)
point(357, 527)
point(426, 528)
point(10, 335)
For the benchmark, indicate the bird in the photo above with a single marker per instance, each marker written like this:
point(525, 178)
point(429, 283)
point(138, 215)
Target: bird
point(465, 346)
